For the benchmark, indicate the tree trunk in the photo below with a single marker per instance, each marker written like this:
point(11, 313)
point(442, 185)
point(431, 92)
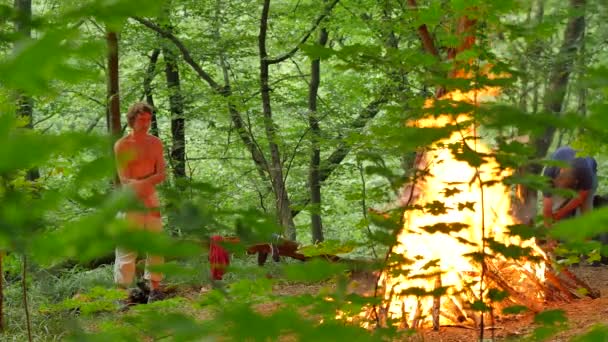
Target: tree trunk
point(276, 167)
point(176, 105)
point(314, 177)
point(582, 89)
point(113, 119)
point(560, 74)
point(147, 84)
point(113, 102)
point(1, 294)
point(524, 204)
point(553, 101)
point(25, 103)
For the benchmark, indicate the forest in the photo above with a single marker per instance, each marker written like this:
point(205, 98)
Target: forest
point(322, 170)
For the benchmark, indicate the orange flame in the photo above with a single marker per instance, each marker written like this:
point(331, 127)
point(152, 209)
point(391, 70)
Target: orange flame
point(456, 184)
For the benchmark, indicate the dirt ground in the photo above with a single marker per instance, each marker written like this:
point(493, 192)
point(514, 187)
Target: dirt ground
point(582, 314)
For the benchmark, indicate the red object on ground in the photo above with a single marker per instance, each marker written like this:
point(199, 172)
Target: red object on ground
point(219, 258)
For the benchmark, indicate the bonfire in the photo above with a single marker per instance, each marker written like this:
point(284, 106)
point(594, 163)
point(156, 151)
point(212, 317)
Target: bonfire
point(449, 265)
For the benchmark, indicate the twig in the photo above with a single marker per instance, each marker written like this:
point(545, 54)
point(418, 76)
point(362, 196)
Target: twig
point(44, 119)
point(94, 123)
point(292, 52)
point(1, 293)
point(25, 306)
point(185, 53)
point(364, 206)
point(436, 303)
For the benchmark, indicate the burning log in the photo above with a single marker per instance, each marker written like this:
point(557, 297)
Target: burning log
point(562, 290)
point(590, 292)
point(520, 298)
point(436, 303)
point(416, 322)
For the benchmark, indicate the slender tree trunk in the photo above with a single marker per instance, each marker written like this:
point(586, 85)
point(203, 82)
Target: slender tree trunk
point(558, 83)
point(25, 103)
point(176, 105)
point(25, 301)
point(147, 84)
point(582, 89)
point(1, 294)
point(526, 199)
point(276, 167)
point(560, 74)
point(176, 100)
point(246, 135)
point(113, 102)
point(113, 119)
point(314, 177)
point(554, 100)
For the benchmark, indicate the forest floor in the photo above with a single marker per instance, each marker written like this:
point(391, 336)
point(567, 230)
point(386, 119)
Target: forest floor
point(582, 314)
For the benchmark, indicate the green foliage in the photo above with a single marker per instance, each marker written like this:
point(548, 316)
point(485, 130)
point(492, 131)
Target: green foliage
point(514, 310)
point(313, 271)
point(328, 247)
point(96, 300)
point(584, 227)
point(550, 322)
point(374, 85)
point(597, 333)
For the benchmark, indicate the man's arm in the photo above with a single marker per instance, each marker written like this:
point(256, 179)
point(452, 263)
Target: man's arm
point(584, 178)
point(548, 210)
point(571, 205)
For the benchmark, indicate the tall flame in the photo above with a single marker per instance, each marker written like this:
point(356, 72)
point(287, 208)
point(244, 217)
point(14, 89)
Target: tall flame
point(441, 259)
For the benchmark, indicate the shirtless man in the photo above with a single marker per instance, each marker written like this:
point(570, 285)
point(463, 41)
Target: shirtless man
point(141, 167)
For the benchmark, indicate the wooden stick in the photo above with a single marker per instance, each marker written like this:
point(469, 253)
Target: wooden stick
point(520, 297)
point(556, 282)
point(590, 292)
point(404, 324)
point(436, 303)
point(416, 321)
point(451, 305)
point(534, 279)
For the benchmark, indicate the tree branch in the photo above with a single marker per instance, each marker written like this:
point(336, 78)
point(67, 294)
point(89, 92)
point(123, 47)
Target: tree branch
point(184, 51)
point(334, 160)
point(425, 36)
point(94, 123)
point(225, 90)
point(292, 52)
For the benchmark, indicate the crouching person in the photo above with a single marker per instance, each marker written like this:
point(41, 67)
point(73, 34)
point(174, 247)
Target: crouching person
point(141, 167)
point(579, 174)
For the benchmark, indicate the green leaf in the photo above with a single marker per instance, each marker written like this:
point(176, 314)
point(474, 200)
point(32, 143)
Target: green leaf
point(551, 317)
point(317, 51)
point(328, 247)
point(479, 305)
point(445, 228)
point(496, 295)
point(514, 310)
point(582, 227)
point(313, 271)
point(597, 333)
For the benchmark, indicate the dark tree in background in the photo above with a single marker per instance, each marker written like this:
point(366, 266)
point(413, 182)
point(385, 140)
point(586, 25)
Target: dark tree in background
point(314, 177)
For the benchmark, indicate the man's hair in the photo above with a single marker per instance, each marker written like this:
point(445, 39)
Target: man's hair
point(136, 109)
